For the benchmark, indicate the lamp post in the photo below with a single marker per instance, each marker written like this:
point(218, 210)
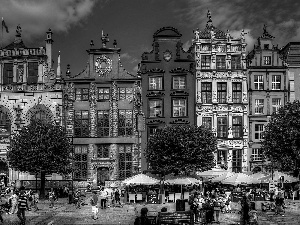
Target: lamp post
point(251, 161)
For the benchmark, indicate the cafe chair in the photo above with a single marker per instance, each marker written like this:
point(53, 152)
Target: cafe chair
point(177, 196)
point(131, 198)
point(186, 195)
point(171, 197)
point(139, 197)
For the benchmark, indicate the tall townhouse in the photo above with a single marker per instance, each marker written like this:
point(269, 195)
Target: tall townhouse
point(268, 91)
point(29, 89)
point(291, 56)
point(168, 84)
point(101, 109)
point(221, 93)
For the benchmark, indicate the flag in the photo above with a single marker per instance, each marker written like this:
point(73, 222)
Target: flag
point(4, 25)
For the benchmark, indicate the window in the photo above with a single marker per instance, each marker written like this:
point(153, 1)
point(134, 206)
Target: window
point(4, 124)
point(236, 62)
point(20, 73)
point(207, 122)
point(257, 154)
point(81, 123)
point(259, 106)
point(267, 60)
point(258, 131)
point(237, 161)
point(33, 73)
point(179, 107)
point(206, 92)
point(222, 92)
point(155, 83)
point(41, 115)
point(221, 62)
point(276, 80)
point(80, 155)
point(205, 61)
point(237, 127)
point(152, 130)
point(266, 46)
point(82, 94)
point(125, 161)
point(179, 82)
point(125, 93)
point(125, 122)
point(222, 157)
point(222, 127)
point(103, 151)
point(258, 82)
point(8, 73)
point(155, 108)
point(103, 94)
point(237, 92)
point(276, 104)
point(103, 123)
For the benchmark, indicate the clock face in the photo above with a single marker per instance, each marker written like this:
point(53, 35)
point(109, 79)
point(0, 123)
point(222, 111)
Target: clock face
point(103, 65)
point(167, 55)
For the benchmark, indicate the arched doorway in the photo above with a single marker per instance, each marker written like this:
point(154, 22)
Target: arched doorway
point(102, 175)
point(39, 112)
point(256, 169)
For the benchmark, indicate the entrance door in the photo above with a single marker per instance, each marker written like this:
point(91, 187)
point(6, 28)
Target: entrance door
point(102, 175)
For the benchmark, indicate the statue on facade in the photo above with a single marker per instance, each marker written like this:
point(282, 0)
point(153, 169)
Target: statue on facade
point(18, 30)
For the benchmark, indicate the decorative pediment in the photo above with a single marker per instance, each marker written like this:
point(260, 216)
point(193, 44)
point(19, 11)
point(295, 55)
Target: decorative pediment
point(179, 93)
point(155, 122)
point(156, 70)
point(179, 121)
point(179, 70)
point(155, 94)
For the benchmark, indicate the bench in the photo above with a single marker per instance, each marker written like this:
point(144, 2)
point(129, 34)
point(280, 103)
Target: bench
point(183, 218)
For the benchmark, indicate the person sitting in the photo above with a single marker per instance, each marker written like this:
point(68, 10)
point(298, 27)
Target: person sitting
point(143, 219)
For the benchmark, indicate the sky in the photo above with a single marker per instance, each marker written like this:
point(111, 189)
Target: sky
point(133, 22)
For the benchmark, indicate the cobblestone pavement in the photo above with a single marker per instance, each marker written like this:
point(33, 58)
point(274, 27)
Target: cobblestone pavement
point(64, 213)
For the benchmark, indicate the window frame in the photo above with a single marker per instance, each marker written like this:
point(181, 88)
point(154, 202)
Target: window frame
point(155, 115)
point(180, 86)
point(267, 60)
point(221, 92)
point(101, 129)
point(276, 85)
point(257, 154)
point(103, 151)
point(80, 122)
point(259, 129)
point(207, 124)
point(236, 62)
point(127, 162)
point(33, 72)
point(105, 95)
point(126, 130)
point(237, 160)
point(259, 82)
point(206, 92)
point(81, 174)
point(127, 94)
point(82, 94)
point(179, 107)
point(275, 107)
point(220, 62)
point(160, 84)
point(205, 62)
point(237, 93)
point(222, 133)
point(237, 127)
point(8, 74)
point(259, 106)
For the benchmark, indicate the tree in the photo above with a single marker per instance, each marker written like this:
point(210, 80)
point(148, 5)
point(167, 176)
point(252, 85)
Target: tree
point(281, 144)
point(181, 149)
point(40, 147)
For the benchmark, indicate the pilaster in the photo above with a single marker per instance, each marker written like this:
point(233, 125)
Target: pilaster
point(229, 90)
point(90, 169)
point(214, 90)
point(199, 100)
point(40, 71)
point(113, 154)
point(25, 71)
point(15, 71)
point(114, 110)
point(230, 125)
point(93, 114)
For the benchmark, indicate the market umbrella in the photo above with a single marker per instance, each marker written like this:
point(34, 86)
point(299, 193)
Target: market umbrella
point(183, 180)
point(141, 179)
point(240, 178)
point(276, 176)
point(214, 172)
point(258, 175)
point(222, 177)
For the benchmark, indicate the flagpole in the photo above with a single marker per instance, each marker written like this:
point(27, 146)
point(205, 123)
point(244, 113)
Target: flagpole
point(2, 33)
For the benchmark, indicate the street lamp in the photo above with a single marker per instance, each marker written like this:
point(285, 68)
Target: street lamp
point(251, 161)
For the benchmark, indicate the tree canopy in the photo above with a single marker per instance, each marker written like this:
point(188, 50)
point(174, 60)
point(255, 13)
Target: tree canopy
point(40, 147)
point(181, 148)
point(281, 144)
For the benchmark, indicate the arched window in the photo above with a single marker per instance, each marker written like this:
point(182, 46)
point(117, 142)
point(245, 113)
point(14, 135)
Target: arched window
point(4, 124)
point(41, 115)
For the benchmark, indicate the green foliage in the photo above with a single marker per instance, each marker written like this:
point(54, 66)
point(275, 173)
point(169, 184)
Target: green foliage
point(39, 147)
point(281, 143)
point(175, 149)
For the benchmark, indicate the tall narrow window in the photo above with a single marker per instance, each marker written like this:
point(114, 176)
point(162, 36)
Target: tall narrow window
point(155, 83)
point(82, 94)
point(206, 92)
point(4, 124)
point(259, 106)
point(222, 156)
point(258, 131)
point(220, 62)
point(125, 161)
point(276, 81)
point(222, 127)
point(125, 122)
point(222, 92)
point(258, 82)
point(257, 154)
point(103, 94)
point(237, 160)
point(81, 123)
point(103, 150)
point(236, 62)
point(205, 61)
point(155, 108)
point(237, 92)
point(179, 82)
point(152, 130)
point(33, 73)
point(179, 107)
point(237, 127)
point(125, 93)
point(80, 155)
point(8, 73)
point(267, 60)
point(207, 122)
point(276, 104)
point(103, 123)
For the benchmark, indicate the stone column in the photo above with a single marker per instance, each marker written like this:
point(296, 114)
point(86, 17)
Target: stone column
point(90, 169)
point(230, 125)
point(215, 125)
point(214, 90)
point(244, 90)
point(114, 112)
point(113, 154)
point(40, 72)
point(229, 90)
point(198, 97)
point(15, 71)
point(25, 74)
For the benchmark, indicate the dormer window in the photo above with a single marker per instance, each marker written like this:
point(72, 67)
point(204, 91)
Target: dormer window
point(267, 60)
point(266, 46)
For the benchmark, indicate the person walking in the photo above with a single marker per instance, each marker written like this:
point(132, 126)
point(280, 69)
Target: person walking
point(94, 203)
point(103, 199)
point(35, 200)
point(117, 197)
point(13, 199)
point(51, 198)
point(22, 206)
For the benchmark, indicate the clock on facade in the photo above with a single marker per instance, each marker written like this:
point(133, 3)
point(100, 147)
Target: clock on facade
point(103, 65)
point(167, 55)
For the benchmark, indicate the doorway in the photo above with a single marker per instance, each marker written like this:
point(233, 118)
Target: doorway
point(102, 175)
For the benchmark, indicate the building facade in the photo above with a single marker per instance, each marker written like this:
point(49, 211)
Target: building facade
point(168, 84)
point(268, 91)
point(221, 93)
point(29, 88)
point(101, 109)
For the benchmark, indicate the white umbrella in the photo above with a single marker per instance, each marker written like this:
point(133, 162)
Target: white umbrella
point(259, 175)
point(276, 176)
point(141, 179)
point(183, 181)
point(240, 178)
point(214, 172)
point(222, 177)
